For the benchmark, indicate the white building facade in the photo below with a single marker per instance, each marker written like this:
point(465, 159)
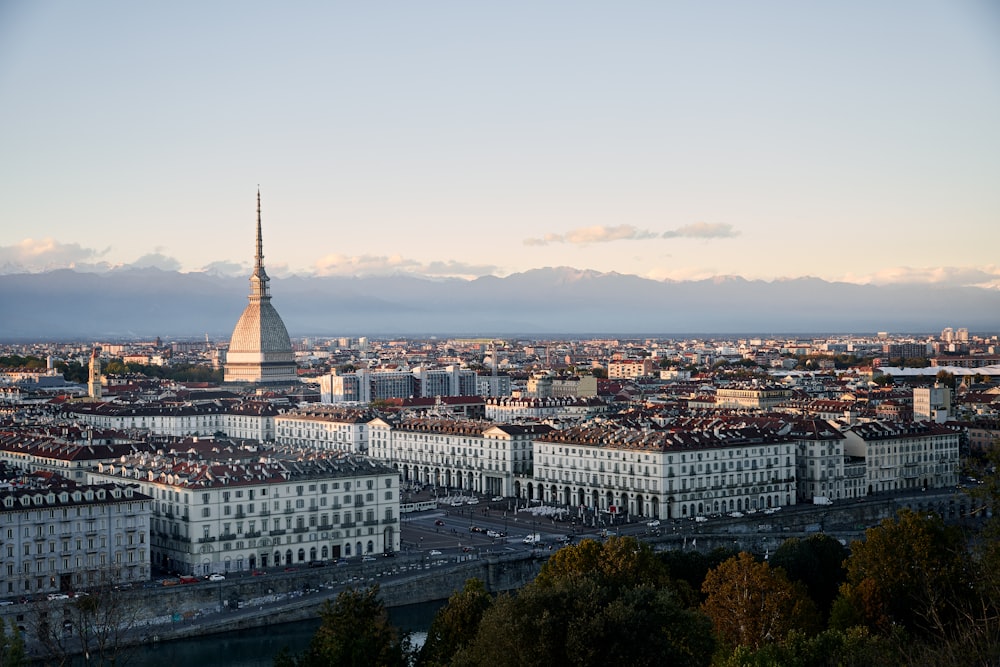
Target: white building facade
point(214, 516)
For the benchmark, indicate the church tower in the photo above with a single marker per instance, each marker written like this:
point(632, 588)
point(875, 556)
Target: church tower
point(94, 379)
point(260, 351)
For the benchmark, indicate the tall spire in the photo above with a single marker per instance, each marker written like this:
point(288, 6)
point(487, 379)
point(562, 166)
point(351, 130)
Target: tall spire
point(259, 279)
point(259, 264)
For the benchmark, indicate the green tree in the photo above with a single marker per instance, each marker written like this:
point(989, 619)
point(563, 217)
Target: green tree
point(577, 621)
point(945, 378)
point(751, 604)
point(618, 562)
point(912, 571)
point(455, 624)
point(12, 653)
point(817, 562)
point(354, 631)
point(831, 648)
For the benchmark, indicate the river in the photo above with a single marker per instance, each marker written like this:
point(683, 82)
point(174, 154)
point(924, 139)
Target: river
point(257, 647)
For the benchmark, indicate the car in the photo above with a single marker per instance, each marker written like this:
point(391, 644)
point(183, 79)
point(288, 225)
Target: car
point(57, 596)
point(388, 554)
point(433, 552)
point(474, 501)
point(317, 563)
point(5, 603)
point(258, 573)
point(438, 522)
point(368, 559)
point(655, 523)
point(342, 562)
point(476, 529)
point(216, 577)
point(497, 499)
point(456, 503)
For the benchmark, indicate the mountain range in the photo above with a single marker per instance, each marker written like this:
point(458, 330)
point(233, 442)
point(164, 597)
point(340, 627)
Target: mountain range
point(143, 303)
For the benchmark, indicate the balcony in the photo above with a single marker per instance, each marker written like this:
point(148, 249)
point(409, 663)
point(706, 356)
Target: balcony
point(348, 524)
point(227, 537)
point(252, 533)
point(203, 540)
point(388, 521)
point(275, 533)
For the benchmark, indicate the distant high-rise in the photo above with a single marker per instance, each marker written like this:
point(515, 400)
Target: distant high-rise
point(260, 351)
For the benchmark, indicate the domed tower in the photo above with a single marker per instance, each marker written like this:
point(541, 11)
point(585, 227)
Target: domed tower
point(260, 351)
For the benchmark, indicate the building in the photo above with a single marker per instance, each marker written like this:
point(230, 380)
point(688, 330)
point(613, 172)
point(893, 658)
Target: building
point(508, 409)
point(262, 507)
point(364, 386)
point(67, 537)
point(629, 369)
point(751, 397)
point(260, 351)
point(474, 456)
point(901, 455)
point(677, 473)
point(932, 403)
point(819, 459)
point(325, 427)
point(94, 376)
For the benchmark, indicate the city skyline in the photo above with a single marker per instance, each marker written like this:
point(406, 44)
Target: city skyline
point(854, 143)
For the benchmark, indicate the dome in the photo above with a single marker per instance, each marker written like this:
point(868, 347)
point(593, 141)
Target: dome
point(260, 351)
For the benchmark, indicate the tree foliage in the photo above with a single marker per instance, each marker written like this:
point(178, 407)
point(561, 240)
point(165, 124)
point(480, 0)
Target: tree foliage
point(855, 647)
point(618, 562)
point(912, 571)
point(12, 653)
point(751, 604)
point(817, 562)
point(354, 631)
point(577, 621)
point(455, 624)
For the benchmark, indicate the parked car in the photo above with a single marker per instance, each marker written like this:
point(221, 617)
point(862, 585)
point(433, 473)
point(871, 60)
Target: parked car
point(368, 559)
point(433, 552)
point(216, 577)
point(655, 523)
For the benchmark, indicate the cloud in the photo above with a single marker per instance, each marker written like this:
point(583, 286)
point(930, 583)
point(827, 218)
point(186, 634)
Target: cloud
point(31, 256)
point(158, 260)
point(595, 234)
point(702, 230)
point(226, 268)
point(369, 265)
point(946, 276)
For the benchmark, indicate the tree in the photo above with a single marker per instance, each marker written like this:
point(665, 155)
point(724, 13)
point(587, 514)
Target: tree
point(577, 621)
point(945, 378)
point(912, 571)
point(12, 653)
point(455, 624)
point(817, 562)
point(751, 604)
point(618, 562)
point(831, 648)
point(94, 624)
point(354, 631)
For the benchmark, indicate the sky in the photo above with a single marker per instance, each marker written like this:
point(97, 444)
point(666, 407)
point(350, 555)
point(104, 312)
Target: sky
point(850, 141)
